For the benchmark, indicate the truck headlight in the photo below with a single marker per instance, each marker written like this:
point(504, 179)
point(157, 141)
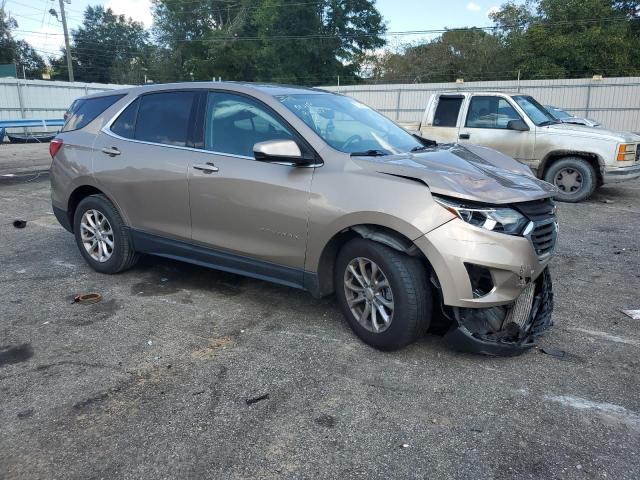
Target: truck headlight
point(626, 152)
point(496, 219)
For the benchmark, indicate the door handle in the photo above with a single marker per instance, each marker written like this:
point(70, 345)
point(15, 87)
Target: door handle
point(206, 167)
point(111, 151)
point(465, 136)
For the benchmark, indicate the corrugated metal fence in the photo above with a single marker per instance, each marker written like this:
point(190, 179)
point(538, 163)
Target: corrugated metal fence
point(42, 99)
point(615, 102)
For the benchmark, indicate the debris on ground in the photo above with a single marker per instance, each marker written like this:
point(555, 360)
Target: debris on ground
point(251, 401)
point(404, 445)
point(634, 314)
point(19, 223)
point(606, 200)
point(87, 298)
point(554, 352)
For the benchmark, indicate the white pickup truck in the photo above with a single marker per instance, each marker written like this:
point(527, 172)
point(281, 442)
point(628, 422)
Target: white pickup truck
point(574, 158)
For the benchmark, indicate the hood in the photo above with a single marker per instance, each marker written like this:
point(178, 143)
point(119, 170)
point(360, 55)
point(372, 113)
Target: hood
point(467, 172)
point(590, 132)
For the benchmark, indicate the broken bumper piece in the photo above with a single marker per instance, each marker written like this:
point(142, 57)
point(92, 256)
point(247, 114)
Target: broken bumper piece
point(505, 330)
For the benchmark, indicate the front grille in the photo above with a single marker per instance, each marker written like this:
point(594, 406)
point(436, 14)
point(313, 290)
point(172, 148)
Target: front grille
point(544, 233)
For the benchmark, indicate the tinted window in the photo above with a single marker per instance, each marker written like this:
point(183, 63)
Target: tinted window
point(447, 112)
point(85, 110)
point(164, 117)
point(490, 112)
point(234, 124)
point(125, 124)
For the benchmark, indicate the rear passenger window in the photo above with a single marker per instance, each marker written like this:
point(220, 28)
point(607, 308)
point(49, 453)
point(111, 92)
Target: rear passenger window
point(125, 124)
point(164, 117)
point(85, 110)
point(447, 111)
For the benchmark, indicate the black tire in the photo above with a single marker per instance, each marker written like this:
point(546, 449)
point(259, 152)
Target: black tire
point(572, 166)
point(123, 255)
point(411, 293)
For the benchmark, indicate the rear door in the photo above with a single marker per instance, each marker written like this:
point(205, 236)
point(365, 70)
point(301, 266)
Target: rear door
point(248, 208)
point(444, 126)
point(142, 161)
point(486, 124)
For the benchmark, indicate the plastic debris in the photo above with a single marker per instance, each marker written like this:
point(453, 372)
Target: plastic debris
point(251, 401)
point(87, 298)
point(19, 223)
point(404, 445)
point(149, 342)
point(635, 314)
point(554, 352)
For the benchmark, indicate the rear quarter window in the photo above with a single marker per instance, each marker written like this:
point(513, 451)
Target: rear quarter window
point(85, 110)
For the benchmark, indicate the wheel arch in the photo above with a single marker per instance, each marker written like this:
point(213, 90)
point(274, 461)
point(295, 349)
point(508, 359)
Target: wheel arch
point(592, 158)
point(323, 282)
point(81, 192)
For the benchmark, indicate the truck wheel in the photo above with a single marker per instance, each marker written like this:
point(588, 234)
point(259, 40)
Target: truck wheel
point(101, 236)
point(383, 293)
point(574, 177)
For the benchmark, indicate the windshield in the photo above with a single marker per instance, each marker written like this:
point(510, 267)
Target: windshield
point(560, 114)
point(536, 112)
point(350, 126)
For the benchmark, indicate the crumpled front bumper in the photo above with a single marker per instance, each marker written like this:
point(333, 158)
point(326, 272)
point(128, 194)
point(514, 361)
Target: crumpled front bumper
point(483, 331)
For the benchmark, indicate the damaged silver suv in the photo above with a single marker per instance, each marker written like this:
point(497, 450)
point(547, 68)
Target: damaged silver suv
point(315, 191)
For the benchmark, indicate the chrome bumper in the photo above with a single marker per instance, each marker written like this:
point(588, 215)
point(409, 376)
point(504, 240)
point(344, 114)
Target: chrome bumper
point(621, 174)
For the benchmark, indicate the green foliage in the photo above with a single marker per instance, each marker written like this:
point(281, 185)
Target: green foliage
point(19, 52)
point(471, 54)
point(262, 40)
point(107, 48)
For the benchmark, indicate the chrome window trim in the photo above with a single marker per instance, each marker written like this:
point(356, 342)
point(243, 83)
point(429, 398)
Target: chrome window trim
point(106, 129)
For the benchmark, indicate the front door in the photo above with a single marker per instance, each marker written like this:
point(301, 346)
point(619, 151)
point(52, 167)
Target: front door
point(486, 125)
point(251, 209)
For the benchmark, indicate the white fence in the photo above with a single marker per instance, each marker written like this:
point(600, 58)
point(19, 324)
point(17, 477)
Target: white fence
point(42, 99)
point(615, 102)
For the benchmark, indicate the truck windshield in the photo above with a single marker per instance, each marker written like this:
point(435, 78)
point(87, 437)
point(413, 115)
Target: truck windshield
point(350, 126)
point(536, 112)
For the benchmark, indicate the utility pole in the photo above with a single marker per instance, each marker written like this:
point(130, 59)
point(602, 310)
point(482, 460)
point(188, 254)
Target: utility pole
point(66, 40)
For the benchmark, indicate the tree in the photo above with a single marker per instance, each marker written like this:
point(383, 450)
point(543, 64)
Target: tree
point(107, 48)
point(472, 54)
point(308, 42)
point(19, 52)
point(570, 38)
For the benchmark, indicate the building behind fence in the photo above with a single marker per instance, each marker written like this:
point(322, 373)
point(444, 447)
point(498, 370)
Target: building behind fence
point(615, 102)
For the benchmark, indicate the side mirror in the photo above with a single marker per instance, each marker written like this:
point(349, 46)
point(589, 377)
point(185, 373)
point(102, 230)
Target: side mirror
point(279, 151)
point(517, 125)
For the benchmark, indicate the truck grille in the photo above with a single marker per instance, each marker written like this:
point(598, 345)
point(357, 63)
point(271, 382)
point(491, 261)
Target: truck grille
point(544, 233)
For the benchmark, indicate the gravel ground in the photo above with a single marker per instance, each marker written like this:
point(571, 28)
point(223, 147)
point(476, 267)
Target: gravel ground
point(183, 372)
point(23, 158)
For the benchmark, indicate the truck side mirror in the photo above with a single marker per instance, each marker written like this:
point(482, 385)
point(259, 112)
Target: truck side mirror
point(517, 125)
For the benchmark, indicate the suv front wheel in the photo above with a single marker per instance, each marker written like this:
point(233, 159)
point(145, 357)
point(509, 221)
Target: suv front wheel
point(101, 236)
point(383, 293)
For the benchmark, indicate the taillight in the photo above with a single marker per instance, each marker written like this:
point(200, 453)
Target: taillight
point(54, 146)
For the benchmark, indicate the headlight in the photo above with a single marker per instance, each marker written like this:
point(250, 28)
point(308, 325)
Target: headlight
point(495, 219)
point(626, 152)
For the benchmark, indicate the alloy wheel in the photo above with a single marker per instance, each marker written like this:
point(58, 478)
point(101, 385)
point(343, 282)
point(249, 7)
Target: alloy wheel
point(368, 294)
point(97, 235)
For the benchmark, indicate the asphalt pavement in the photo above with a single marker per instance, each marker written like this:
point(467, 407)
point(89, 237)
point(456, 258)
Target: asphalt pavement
point(184, 372)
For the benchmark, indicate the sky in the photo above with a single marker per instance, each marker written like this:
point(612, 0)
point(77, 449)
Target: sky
point(44, 32)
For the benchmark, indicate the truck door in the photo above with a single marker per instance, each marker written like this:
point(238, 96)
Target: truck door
point(487, 124)
point(444, 126)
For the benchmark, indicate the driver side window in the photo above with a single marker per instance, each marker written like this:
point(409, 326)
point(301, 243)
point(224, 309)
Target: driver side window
point(490, 112)
point(234, 124)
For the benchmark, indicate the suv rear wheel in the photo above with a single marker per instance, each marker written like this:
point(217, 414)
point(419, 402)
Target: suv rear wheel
point(384, 294)
point(101, 236)
point(574, 177)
